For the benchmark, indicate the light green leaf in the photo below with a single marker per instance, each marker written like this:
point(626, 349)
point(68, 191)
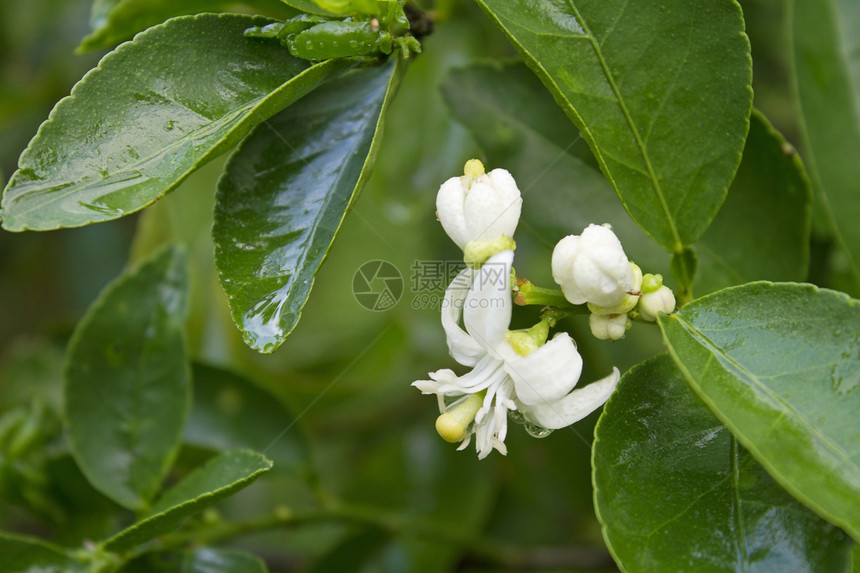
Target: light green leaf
point(219, 478)
point(230, 412)
point(29, 555)
point(127, 390)
point(825, 42)
point(676, 492)
point(153, 111)
point(522, 130)
point(780, 365)
point(762, 230)
point(114, 21)
point(649, 86)
point(285, 193)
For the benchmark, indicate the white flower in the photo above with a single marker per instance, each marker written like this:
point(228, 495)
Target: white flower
point(538, 384)
point(479, 206)
point(653, 303)
point(592, 267)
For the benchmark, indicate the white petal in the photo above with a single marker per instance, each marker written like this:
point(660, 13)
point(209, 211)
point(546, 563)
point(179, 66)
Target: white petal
point(573, 407)
point(487, 372)
point(487, 308)
point(548, 373)
point(563, 256)
point(463, 348)
point(493, 206)
point(450, 201)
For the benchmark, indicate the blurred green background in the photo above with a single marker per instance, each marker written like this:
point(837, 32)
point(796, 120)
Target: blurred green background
point(362, 434)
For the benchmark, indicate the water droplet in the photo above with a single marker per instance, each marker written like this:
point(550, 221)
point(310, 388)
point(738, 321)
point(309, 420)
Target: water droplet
point(536, 431)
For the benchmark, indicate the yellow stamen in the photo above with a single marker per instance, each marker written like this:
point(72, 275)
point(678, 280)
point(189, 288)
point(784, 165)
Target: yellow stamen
point(452, 425)
point(474, 168)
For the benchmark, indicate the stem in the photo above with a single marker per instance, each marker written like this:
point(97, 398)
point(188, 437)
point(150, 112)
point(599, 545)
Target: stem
point(529, 293)
point(477, 549)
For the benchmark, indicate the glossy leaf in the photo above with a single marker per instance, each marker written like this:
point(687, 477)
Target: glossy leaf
point(219, 478)
point(522, 130)
point(762, 230)
point(127, 387)
point(676, 492)
point(230, 412)
point(826, 60)
point(200, 560)
point(780, 365)
point(114, 21)
point(285, 193)
point(210, 560)
point(648, 89)
point(153, 111)
point(29, 555)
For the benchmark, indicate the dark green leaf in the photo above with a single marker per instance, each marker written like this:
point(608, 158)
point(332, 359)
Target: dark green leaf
point(826, 62)
point(762, 230)
point(684, 266)
point(229, 412)
point(219, 478)
point(355, 553)
point(29, 555)
point(127, 389)
point(649, 89)
point(522, 130)
point(455, 493)
point(153, 111)
point(202, 560)
point(780, 365)
point(114, 21)
point(209, 560)
point(676, 492)
point(285, 193)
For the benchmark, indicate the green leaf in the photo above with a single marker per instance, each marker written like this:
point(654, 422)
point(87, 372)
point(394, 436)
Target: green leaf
point(523, 131)
point(219, 478)
point(209, 560)
point(826, 60)
point(230, 412)
point(762, 230)
point(652, 127)
point(355, 553)
point(153, 111)
point(676, 492)
point(127, 390)
point(780, 365)
point(285, 193)
point(201, 560)
point(29, 555)
point(114, 21)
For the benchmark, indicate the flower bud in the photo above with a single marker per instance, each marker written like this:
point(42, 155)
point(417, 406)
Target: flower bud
point(653, 303)
point(592, 267)
point(479, 206)
point(629, 301)
point(609, 326)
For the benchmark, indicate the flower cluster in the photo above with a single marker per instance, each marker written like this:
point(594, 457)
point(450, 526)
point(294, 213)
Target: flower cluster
point(592, 269)
point(524, 371)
